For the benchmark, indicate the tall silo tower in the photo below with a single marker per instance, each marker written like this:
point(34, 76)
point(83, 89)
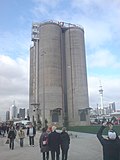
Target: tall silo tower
point(77, 91)
point(58, 80)
point(50, 86)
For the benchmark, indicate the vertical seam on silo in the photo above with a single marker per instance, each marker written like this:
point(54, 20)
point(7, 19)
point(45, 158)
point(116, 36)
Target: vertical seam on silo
point(61, 52)
point(71, 71)
point(65, 102)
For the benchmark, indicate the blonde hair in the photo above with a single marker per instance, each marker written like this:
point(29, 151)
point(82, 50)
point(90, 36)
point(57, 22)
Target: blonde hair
point(53, 128)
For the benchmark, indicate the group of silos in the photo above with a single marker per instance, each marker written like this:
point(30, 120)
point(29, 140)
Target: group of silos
point(58, 80)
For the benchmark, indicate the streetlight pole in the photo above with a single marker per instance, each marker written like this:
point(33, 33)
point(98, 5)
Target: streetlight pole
point(43, 118)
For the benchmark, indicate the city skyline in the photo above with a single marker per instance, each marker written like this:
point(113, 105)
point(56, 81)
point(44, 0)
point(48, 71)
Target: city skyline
point(100, 21)
point(15, 113)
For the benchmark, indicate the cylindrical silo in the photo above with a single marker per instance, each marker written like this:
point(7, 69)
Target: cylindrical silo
point(50, 87)
point(77, 88)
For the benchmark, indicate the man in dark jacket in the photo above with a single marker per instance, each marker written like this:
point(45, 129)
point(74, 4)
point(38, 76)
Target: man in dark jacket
point(54, 143)
point(65, 141)
point(31, 132)
point(11, 136)
point(111, 146)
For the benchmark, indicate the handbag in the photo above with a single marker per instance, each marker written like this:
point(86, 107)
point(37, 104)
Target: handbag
point(7, 141)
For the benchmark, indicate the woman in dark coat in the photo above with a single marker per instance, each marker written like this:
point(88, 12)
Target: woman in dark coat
point(43, 142)
point(65, 141)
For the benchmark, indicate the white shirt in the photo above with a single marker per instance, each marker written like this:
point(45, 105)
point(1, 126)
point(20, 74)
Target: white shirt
point(31, 132)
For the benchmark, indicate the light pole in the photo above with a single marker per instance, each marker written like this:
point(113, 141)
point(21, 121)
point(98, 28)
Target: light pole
point(43, 118)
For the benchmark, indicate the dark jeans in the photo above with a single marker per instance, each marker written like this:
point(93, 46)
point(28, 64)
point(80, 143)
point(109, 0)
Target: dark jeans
point(31, 140)
point(53, 155)
point(64, 154)
point(45, 155)
point(11, 145)
point(21, 142)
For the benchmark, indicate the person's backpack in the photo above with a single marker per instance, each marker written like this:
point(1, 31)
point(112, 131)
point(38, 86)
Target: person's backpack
point(45, 140)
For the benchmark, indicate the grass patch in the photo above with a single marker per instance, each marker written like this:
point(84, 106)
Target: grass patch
point(92, 129)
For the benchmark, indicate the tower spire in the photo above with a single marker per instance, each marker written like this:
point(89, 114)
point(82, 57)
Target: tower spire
point(101, 97)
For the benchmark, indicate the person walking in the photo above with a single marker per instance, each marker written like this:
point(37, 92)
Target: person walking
point(65, 141)
point(31, 132)
point(111, 146)
point(21, 136)
point(4, 129)
point(11, 136)
point(8, 128)
point(54, 143)
point(43, 142)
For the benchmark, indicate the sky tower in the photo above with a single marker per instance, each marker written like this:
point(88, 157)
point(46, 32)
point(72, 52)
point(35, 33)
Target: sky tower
point(101, 97)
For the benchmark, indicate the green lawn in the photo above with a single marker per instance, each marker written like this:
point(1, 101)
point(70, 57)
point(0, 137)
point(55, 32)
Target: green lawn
point(92, 129)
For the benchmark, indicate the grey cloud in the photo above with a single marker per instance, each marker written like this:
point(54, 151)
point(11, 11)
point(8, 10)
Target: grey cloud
point(13, 83)
point(100, 19)
point(6, 103)
point(103, 59)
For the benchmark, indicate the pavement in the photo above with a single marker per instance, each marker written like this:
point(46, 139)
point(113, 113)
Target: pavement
point(83, 146)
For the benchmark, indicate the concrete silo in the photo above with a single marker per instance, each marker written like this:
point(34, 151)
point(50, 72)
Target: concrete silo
point(50, 85)
point(76, 77)
point(58, 78)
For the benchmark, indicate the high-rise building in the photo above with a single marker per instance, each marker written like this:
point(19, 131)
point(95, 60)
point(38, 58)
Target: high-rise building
point(112, 107)
point(14, 111)
point(22, 113)
point(7, 115)
point(28, 115)
point(58, 80)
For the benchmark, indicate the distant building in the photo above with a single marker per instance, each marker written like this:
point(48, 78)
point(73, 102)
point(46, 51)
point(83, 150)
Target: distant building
point(109, 109)
point(14, 111)
point(18, 115)
point(22, 113)
point(106, 110)
point(28, 114)
point(7, 115)
point(112, 107)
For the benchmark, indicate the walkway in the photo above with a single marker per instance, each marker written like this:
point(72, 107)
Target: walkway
point(84, 147)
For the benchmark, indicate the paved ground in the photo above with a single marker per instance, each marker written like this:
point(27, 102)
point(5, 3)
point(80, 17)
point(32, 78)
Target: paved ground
point(84, 147)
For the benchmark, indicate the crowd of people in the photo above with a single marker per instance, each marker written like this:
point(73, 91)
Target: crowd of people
point(50, 140)
point(53, 142)
point(4, 128)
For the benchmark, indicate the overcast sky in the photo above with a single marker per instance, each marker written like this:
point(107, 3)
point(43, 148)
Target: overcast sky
point(100, 20)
